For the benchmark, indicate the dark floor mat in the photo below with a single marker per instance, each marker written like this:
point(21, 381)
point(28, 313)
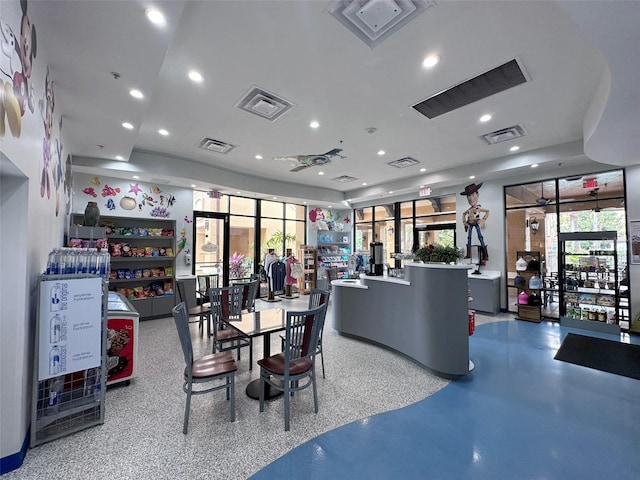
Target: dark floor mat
point(606, 355)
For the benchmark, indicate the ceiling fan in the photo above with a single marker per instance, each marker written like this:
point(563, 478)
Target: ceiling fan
point(543, 200)
point(594, 195)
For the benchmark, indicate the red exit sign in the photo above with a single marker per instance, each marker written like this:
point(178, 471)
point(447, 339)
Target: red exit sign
point(589, 183)
point(424, 191)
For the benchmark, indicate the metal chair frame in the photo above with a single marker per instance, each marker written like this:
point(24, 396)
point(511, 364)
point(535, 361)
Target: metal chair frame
point(222, 366)
point(202, 311)
point(225, 337)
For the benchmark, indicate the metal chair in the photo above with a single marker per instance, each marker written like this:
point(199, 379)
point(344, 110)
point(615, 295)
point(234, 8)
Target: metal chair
point(249, 296)
point(204, 283)
point(226, 303)
point(297, 362)
point(317, 297)
point(203, 311)
point(210, 368)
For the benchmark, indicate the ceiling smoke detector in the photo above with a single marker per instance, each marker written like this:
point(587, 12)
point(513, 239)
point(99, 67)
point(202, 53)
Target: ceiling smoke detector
point(374, 20)
point(264, 104)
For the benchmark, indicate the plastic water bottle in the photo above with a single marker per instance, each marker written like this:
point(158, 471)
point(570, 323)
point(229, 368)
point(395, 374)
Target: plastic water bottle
point(56, 387)
point(54, 360)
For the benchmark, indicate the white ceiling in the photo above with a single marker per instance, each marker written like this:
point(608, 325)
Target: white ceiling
point(297, 50)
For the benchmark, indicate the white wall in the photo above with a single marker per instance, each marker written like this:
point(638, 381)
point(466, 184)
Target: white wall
point(38, 222)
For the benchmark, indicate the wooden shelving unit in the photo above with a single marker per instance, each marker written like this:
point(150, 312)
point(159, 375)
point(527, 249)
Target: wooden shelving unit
point(531, 313)
point(308, 259)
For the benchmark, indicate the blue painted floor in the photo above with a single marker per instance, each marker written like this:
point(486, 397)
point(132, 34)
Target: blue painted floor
point(519, 415)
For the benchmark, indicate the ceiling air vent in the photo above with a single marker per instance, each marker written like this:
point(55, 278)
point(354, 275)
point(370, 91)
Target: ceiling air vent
point(504, 135)
point(344, 179)
point(374, 20)
point(404, 162)
point(215, 145)
point(489, 83)
point(264, 104)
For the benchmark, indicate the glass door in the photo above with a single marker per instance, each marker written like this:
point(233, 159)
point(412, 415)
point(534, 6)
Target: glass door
point(211, 245)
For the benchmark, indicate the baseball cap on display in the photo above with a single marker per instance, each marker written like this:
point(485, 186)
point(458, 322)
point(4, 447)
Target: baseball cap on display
point(535, 283)
point(521, 265)
point(534, 299)
point(519, 281)
point(523, 298)
point(533, 265)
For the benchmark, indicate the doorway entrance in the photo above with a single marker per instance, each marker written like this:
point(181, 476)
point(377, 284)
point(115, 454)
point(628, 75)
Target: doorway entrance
point(211, 244)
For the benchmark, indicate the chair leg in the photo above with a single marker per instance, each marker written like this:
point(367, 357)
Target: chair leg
point(315, 390)
point(250, 353)
point(322, 362)
point(262, 385)
point(286, 405)
point(232, 391)
point(186, 410)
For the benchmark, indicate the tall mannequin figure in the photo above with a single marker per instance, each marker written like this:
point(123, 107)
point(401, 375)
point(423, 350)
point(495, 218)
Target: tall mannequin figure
point(474, 218)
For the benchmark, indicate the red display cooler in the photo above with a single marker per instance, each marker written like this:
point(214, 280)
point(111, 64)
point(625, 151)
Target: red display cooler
point(122, 339)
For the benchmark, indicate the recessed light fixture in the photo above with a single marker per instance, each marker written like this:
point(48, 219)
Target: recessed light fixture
point(314, 124)
point(119, 157)
point(421, 186)
point(364, 184)
point(156, 17)
point(390, 191)
point(515, 148)
point(381, 152)
point(320, 173)
point(193, 185)
point(304, 203)
point(430, 60)
point(163, 132)
point(275, 198)
point(258, 157)
point(136, 93)
point(485, 118)
point(238, 193)
point(534, 165)
point(136, 177)
point(329, 206)
point(423, 169)
point(471, 177)
point(127, 125)
point(195, 76)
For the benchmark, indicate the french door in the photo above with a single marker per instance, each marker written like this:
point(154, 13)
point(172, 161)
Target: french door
point(211, 245)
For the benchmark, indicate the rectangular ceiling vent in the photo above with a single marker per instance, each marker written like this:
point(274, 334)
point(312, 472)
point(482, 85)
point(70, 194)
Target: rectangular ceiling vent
point(344, 179)
point(404, 162)
point(374, 20)
point(264, 104)
point(489, 83)
point(217, 146)
point(161, 181)
point(504, 135)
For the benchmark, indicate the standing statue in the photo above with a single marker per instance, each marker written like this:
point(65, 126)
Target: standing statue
point(474, 218)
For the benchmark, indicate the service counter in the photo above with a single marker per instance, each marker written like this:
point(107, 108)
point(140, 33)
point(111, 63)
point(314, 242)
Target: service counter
point(485, 291)
point(423, 316)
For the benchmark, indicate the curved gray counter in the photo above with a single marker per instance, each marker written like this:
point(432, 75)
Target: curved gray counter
point(424, 316)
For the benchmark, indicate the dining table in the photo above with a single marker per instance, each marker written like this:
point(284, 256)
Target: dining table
point(255, 324)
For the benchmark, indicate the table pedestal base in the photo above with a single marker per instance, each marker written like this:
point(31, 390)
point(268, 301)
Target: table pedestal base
point(253, 391)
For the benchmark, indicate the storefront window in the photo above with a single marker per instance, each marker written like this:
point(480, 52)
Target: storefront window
point(203, 202)
point(241, 246)
point(242, 206)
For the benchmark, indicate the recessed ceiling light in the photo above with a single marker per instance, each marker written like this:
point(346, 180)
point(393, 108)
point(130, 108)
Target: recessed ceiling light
point(136, 93)
point(390, 191)
point(193, 185)
point(164, 132)
point(275, 198)
point(258, 157)
point(314, 124)
point(136, 177)
point(304, 203)
point(127, 125)
point(534, 165)
point(485, 118)
point(156, 16)
point(238, 193)
point(430, 60)
point(320, 173)
point(471, 177)
point(421, 186)
point(515, 148)
point(364, 184)
point(119, 157)
point(381, 152)
point(423, 169)
point(329, 206)
point(195, 76)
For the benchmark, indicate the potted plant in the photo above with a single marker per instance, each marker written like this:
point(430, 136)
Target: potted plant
point(438, 253)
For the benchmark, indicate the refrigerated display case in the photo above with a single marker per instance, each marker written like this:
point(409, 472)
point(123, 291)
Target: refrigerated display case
point(589, 285)
point(122, 339)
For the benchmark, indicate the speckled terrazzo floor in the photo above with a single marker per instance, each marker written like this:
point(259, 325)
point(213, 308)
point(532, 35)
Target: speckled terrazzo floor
point(142, 434)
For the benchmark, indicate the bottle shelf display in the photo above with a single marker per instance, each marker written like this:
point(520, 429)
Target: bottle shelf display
point(142, 261)
point(69, 358)
point(530, 286)
point(590, 291)
point(308, 259)
point(334, 249)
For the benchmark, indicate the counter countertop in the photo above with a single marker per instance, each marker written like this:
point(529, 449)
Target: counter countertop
point(486, 275)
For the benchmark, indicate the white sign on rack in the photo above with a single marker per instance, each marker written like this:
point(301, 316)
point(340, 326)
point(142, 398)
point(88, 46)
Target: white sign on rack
point(70, 326)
